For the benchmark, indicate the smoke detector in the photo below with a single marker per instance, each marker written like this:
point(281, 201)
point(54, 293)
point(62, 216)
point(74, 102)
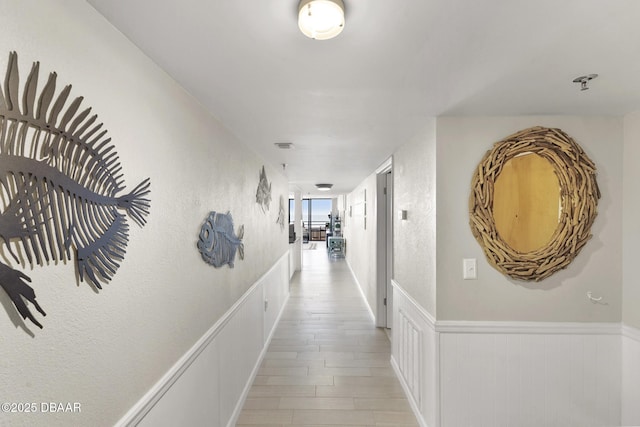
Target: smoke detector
point(584, 80)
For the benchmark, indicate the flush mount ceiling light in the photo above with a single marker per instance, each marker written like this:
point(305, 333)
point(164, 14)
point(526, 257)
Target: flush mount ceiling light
point(321, 19)
point(324, 187)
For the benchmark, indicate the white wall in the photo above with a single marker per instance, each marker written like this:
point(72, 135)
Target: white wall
point(495, 351)
point(631, 224)
point(359, 231)
point(598, 268)
point(107, 349)
point(631, 285)
point(414, 239)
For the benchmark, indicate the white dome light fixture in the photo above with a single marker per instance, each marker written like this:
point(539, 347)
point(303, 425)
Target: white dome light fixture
point(321, 19)
point(324, 187)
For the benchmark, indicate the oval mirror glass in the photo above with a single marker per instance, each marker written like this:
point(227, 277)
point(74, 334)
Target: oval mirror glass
point(526, 204)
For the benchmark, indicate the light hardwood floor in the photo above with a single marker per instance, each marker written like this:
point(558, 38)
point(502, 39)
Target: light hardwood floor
point(327, 363)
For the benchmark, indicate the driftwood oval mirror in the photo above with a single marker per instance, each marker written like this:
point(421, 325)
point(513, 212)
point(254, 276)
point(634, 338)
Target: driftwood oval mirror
point(533, 200)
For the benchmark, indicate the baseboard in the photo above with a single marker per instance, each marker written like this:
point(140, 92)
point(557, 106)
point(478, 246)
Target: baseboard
point(364, 298)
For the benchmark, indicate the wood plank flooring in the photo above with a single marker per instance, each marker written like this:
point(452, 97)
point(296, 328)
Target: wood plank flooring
point(327, 363)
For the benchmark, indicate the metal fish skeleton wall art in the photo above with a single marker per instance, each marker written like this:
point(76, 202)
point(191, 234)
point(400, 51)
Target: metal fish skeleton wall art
point(263, 193)
point(218, 242)
point(59, 183)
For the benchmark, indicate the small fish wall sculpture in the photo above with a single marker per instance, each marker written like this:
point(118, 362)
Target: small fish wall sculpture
point(218, 242)
point(281, 214)
point(263, 194)
point(60, 180)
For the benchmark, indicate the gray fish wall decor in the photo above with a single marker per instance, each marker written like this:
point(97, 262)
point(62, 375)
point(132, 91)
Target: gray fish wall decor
point(218, 242)
point(59, 183)
point(263, 194)
point(281, 214)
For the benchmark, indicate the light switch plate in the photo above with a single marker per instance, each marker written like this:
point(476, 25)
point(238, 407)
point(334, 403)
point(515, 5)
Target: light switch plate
point(469, 269)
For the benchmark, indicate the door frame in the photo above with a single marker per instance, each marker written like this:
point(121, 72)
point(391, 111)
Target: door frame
point(384, 244)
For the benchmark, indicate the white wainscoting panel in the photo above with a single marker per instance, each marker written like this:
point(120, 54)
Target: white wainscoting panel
point(275, 294)
point(521, 379)
point(409, 356)
point(240, 343)
point(209, 384)
point(193, 398)
point(292, 259)
point(514, 373)
point(414, 356)
point(630, 376)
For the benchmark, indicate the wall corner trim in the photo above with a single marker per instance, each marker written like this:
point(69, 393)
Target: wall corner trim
point(631, 332)
point(511, 327)
point(428, 317)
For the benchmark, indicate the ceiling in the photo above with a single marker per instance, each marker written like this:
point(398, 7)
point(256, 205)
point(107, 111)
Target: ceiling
point(348, 103)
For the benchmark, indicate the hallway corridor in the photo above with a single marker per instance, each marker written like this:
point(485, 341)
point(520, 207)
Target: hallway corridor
point(327, 363)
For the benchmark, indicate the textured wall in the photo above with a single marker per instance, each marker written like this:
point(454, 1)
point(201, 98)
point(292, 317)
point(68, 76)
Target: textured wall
point(106, 349)
point(361, 241)
point(414, 239)
point(631, 225)
point(598, 268)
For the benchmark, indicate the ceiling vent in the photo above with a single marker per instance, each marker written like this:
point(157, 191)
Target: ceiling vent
point(284, 145)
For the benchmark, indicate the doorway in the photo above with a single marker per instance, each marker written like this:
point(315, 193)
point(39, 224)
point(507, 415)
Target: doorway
point(384, 246)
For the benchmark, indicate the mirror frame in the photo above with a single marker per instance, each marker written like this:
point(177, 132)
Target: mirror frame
point(579, 194)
